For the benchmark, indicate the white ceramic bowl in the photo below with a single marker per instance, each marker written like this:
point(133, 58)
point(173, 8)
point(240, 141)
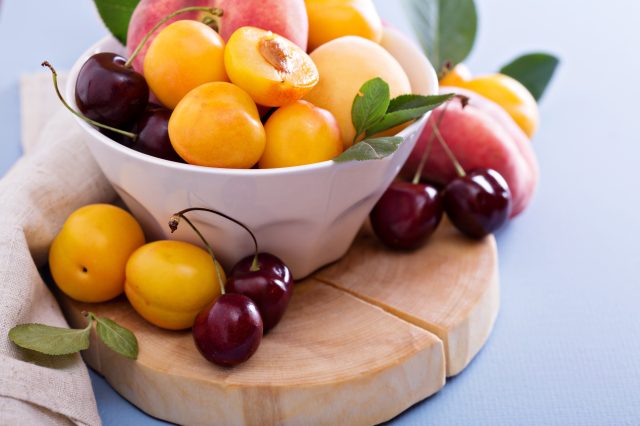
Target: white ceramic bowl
point(308, 215)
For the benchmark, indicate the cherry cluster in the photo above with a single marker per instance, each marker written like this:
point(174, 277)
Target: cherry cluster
point(114, 97)
point(477, 203)
point(255, 297)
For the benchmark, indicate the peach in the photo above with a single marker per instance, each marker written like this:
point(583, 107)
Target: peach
point(298, 134)
point(480, 135)
point(345, 64)
point(273, 70)
point(183, 56)
point(331, 19)
point(285, 17)
point(217, 125)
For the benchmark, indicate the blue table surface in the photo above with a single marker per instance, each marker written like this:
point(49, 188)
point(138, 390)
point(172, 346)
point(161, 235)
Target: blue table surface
point(566, 346)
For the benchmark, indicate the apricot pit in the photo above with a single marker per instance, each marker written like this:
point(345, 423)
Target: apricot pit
point(272, 69)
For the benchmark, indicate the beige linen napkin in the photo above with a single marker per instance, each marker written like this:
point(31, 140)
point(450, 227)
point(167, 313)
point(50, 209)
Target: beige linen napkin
point(56, 176)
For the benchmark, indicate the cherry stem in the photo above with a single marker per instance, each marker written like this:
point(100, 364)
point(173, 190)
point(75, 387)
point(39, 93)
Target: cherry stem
point(255, 266)
point(215, 11)
point(90, 316)
point(456, 164)
point(79, 115)
point(173, 224)
point(423, 161)
point(212, 21)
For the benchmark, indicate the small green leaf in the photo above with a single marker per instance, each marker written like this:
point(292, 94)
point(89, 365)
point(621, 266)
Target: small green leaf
point(446, 29)
point(370, 104)
point(534, 71)
point(117, 338)
point(370, 149)
point(406, 108)
point(50, 340)
point(406, 102)
point(116, 15)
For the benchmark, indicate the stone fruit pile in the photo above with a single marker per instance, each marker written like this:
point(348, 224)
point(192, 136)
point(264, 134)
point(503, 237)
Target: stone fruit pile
point(272, 84)
point(217, 84)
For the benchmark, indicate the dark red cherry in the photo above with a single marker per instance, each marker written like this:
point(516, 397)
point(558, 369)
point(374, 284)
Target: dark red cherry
point(270, 287)
point(478, 203)
point(110, 93)
point(406, 215)
point(229, 330)
point(152, 129)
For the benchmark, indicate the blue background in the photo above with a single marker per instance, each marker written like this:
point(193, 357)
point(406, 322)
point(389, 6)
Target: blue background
point(566, 347)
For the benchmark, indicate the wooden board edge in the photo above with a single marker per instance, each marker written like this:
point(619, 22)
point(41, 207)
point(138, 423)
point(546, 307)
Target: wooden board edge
point(460, 349)
point(367, 399)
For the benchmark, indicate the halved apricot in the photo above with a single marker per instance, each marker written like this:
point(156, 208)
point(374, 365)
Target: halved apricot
point(273, 70)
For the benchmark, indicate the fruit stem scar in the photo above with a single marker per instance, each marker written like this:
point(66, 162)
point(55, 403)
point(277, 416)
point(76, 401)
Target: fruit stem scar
point(213, 21)
point(79, 115)
point(175, 219)
point(84, 269)
point(215, 11)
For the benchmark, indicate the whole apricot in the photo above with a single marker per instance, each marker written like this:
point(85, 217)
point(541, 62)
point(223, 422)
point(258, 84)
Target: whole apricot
point(511, 95)
point(217, 125)
point(345, 64)
point(88, 257)
point(298, 134)
point(183, 56)
point(272, 69)
point(169, 282)
point(331, 19)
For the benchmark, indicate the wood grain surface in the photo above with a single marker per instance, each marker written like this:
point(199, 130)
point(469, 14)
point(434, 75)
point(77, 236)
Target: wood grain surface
point(363, 340)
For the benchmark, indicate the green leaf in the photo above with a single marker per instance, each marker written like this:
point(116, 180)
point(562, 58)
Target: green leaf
point(117, 338)
point(116, 15)
point(446, 29)
point(406, 108)
point(50, 340)
point(370, 104)
point(370, 149)
point(534, 71)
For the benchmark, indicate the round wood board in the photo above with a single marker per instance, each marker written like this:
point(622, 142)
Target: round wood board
point(363, 340)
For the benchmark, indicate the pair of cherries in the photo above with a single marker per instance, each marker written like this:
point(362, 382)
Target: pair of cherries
point(110, 92)
point(256, 295)
point(477, 203)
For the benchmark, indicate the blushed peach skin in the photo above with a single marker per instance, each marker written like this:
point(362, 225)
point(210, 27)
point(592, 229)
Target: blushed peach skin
point(287, 18)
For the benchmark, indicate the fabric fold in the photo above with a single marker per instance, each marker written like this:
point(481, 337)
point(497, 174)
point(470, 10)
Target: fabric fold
point(57, 176)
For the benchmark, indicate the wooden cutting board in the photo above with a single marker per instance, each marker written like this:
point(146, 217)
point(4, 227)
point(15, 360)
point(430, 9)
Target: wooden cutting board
point(363, 340)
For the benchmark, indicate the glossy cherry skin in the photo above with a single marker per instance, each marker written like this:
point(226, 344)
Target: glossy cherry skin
point(110, 93)
point(152, 129)
point(479, 203)
point(406, 215)
point(270, 287)
point(229, 330)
